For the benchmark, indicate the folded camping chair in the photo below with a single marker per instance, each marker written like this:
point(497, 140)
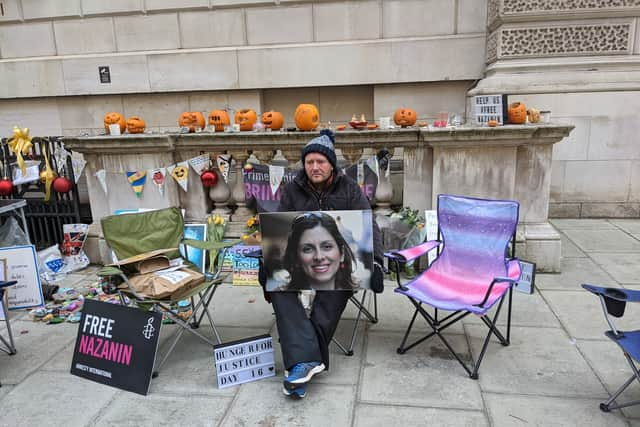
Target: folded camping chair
point(613, 303)
point(133, 234)
point(471, 272)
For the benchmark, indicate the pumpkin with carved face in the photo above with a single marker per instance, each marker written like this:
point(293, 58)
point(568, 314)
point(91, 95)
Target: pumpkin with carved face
point(517, 113)
point(272, 120)
point(405, 117)
point(307, 117)
point(246, 118)
point(135, 124)
point(113, 119)
point(192, 120)
point(219, 119)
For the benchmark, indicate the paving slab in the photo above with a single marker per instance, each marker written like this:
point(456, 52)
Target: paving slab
point(575, 272)
point(539, 361)
point(387, 415)
point(55, 399)
point(609, 363)
point(262, 403)
point(622, 267)
point(427, 375)
point(5, 388)
point(581, 314)
point(613, 240)
point(129, 409)
point(240, 306)
point(631, 226)
point(521, 410)
point(581, 224)
point(35, 347)
point(569, 249)
point(190, 368)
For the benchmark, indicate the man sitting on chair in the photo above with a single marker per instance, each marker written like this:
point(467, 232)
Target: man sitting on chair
point(304, 341)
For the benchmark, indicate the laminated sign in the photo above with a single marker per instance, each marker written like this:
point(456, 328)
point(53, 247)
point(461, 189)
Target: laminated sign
point(243, 361)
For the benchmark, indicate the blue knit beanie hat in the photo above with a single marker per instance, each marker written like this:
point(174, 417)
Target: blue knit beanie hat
point(322, 144)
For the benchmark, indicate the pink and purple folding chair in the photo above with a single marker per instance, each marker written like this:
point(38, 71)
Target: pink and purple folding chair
point(613, 303)
point(471, 273)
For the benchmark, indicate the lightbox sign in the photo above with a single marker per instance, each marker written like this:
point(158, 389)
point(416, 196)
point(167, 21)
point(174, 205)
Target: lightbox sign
point(243, 361)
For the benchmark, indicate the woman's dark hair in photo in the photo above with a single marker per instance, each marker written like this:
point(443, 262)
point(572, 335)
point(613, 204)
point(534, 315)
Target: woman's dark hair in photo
point(291, 262)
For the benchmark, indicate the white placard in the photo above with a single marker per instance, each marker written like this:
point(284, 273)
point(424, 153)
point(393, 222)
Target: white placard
point(489, 107)
point(32, 169)
point(22, 265)
point(243, 361)
point(431, 225)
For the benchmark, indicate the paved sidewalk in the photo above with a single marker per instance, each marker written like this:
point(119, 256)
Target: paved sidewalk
point(556, 371)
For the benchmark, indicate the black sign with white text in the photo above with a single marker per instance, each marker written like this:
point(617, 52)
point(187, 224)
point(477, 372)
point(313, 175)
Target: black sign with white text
point(116, 345)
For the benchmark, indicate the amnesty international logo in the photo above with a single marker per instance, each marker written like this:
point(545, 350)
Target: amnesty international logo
point(148, 329)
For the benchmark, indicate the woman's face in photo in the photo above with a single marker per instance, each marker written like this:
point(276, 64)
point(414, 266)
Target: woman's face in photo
point(319, 255)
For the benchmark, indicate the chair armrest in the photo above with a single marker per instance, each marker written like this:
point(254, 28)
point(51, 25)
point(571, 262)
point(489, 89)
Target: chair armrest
point(409, 254)
point(7, 284)
point(509, 280)
point(626, 295)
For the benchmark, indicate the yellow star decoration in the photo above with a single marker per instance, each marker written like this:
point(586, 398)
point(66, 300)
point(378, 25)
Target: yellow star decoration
point(20, 144)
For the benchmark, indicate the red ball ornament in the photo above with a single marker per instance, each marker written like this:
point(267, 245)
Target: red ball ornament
point(209, 178)
point(62, 184)
point(6, 187)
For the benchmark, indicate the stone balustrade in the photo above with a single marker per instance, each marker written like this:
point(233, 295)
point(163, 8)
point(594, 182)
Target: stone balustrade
point(508, 162)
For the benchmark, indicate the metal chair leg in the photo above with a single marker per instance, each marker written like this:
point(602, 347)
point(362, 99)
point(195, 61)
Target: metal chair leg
point(11, 348)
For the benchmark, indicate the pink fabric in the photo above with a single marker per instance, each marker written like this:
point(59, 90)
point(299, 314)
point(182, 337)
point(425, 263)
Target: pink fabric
point(416, 251)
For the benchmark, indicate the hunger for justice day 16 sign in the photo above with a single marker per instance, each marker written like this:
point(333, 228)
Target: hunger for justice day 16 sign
point(243, 361)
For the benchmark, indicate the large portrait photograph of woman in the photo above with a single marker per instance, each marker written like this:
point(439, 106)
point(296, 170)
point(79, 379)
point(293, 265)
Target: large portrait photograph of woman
point(328, 250)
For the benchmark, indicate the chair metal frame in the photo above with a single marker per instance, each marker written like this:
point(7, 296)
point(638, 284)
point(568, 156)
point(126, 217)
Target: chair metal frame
point(363, 311)
point(439, 325)
point(9, 344)
point(613, 302)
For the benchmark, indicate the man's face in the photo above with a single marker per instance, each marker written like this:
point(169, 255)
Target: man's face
point(317, 167)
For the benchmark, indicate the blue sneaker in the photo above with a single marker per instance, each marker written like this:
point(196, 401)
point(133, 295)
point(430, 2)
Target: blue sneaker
point(297, 393)
point(301, 373)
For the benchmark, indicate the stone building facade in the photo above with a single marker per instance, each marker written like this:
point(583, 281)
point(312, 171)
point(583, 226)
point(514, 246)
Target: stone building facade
point(580, 59)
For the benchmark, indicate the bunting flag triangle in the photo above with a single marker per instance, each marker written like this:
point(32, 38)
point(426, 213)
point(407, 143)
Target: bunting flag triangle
point(77, 164)
point(101, 175)
point(60, 154)
point(200, 163)
point(224, 163)
point(136, 180)
point(180, 172)
point(372, 162)
point(276, 174)
point(157, 176)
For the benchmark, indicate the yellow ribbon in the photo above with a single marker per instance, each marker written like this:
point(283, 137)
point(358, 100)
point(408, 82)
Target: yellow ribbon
point(20, 144)
point(47, 175)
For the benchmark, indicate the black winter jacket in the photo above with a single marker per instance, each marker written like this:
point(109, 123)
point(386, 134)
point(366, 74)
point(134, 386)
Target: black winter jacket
point(343, 194)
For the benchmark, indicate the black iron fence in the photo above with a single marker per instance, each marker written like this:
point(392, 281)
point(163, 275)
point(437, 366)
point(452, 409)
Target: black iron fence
point(45, 218)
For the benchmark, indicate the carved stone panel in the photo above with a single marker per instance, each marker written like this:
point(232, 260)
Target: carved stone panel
point(527, 6)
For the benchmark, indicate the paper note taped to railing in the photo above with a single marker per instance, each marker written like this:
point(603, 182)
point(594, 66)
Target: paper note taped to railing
point(243, 361)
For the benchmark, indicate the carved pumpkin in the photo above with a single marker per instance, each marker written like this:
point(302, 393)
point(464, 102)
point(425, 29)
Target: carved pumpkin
point(307, 117)
point(135, 124)
point(272, 120)
point(246, 118)
point(533, 115)
point(219, 119)
point(191, 120)
point(112, 119)
point(517, 113)
point(405, 117)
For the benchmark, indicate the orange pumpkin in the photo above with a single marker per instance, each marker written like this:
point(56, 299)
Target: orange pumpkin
point(246, 118)
point(405, 117)
point(272, 120)
point(517, 113)
point(492, 123)
point(307, 117)
point(112, 119)
point(191, 120)
point(135, 124)
point(219, 119)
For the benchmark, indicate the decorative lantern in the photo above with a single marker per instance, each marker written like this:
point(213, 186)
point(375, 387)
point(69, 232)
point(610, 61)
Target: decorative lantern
point(272, 120)
point(62, 184)
point(191, 120)
point(405, 117)
point(246, 118)
point(135, 125)
point(6, 186)
point(209, 178)
point(219, 119)
point(307, 117)
point(517, 113)
point(112, 119)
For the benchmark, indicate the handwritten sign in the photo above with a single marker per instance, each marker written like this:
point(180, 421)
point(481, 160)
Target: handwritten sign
point(243, 361)
point(245, 269)
point(431, 225)
point(527, 278)
point(116, 345)
point(22, 266)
